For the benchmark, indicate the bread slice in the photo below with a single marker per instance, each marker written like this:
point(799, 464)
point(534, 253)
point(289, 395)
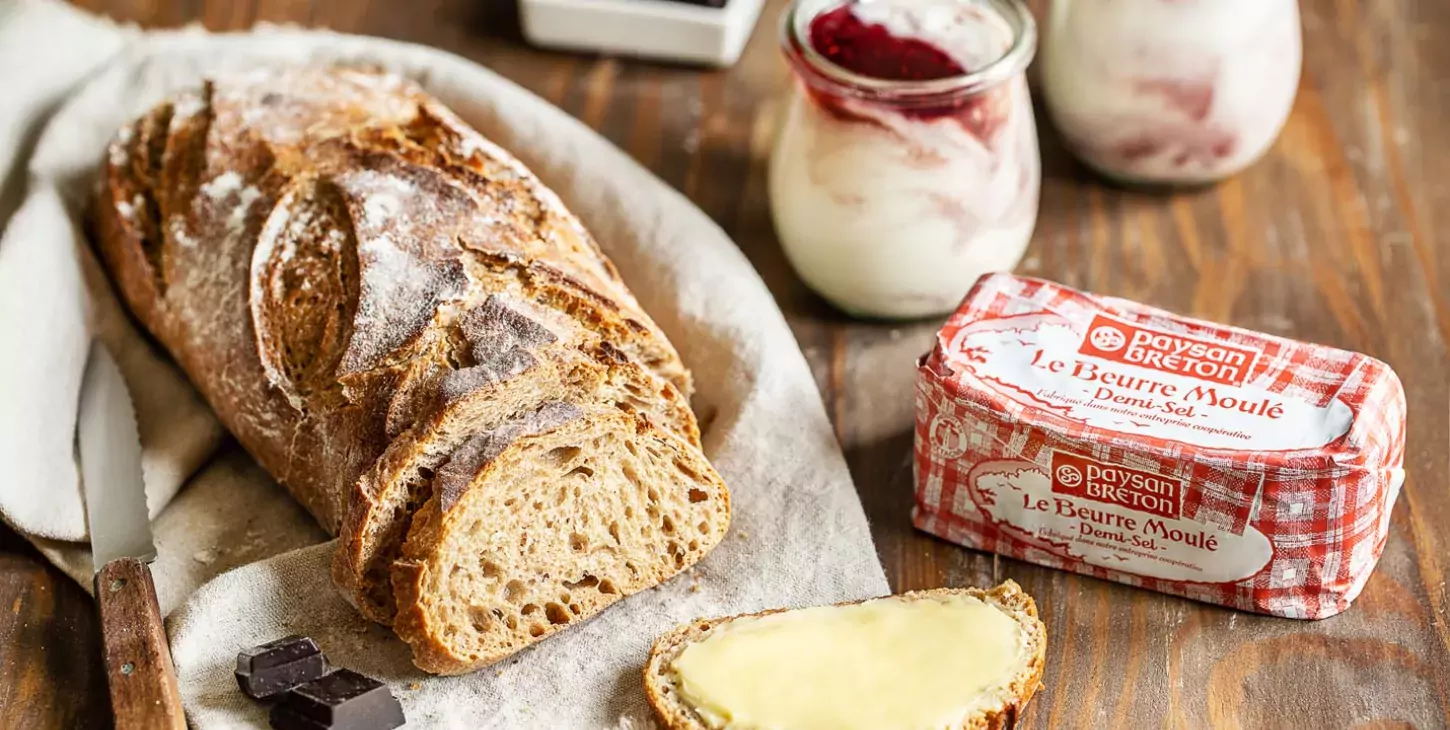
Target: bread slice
point(994, 713)
point(544, 522)
point(518, 358)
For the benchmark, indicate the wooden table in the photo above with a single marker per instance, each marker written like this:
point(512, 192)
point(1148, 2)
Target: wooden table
point(1331, 238)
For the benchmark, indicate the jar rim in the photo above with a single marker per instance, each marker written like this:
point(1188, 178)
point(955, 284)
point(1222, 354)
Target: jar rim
point(816, 68)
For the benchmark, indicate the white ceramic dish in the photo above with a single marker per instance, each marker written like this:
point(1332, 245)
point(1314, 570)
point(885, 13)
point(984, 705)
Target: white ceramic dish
point(661, 29)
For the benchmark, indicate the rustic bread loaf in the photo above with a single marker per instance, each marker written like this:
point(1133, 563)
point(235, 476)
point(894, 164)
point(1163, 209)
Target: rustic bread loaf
point(998, 712)
point(363, 287)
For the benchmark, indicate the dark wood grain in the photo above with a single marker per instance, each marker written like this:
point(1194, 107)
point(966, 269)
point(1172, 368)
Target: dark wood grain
point(50, 673)
point(1332, 237)
point(136, 657)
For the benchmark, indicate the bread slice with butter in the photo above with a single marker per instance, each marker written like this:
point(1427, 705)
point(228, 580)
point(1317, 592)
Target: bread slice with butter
point(956, 658)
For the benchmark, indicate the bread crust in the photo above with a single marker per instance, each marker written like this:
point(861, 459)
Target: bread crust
point(340, 265)
point(1008, 596)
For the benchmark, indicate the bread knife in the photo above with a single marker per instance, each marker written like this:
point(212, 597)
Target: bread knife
point(142, 679)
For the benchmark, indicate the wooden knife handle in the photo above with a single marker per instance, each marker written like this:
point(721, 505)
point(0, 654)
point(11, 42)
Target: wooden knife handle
point(139, 671)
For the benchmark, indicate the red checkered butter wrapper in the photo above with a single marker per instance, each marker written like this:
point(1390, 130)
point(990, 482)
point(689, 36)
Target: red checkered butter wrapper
point(1119, 441)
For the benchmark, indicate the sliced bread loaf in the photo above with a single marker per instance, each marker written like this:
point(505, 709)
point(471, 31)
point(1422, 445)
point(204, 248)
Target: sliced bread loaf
point(1018, 637)
point(380, 304)
point(306, 241)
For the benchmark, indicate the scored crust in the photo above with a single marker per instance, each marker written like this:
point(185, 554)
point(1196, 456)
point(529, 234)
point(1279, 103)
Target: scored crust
point(305, 240)
point(359, 284)
point(676, 714)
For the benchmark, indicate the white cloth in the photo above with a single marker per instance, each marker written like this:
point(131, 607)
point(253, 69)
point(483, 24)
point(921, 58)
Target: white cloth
point(239, 563)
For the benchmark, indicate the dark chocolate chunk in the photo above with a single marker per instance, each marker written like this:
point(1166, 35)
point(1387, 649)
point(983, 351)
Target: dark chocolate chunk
point(343, 699)
point(266, 670)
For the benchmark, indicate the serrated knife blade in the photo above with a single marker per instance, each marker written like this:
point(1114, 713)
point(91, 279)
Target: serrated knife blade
point(139, 670)
point(110, 455)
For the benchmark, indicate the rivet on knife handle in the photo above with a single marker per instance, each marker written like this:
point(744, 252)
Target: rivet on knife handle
point(144, 693)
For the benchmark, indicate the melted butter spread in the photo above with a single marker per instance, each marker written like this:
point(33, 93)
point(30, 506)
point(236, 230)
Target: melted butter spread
point(888, 664)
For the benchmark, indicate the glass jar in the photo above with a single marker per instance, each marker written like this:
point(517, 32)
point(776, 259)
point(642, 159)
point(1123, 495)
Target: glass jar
point(906, 165)
point(1180, 92)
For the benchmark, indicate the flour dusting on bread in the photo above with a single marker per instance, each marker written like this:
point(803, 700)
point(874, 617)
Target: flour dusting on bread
point(373, 296)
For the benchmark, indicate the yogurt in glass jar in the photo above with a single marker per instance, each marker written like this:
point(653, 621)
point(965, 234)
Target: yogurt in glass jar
point(1170, 91)
point(906, 165)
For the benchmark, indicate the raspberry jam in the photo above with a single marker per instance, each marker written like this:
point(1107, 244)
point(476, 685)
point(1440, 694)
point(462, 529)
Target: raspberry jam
point(908, 44)
point(871, 50)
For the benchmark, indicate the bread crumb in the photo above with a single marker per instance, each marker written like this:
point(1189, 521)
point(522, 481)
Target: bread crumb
point(498, 673)
point(695, 588)
point(743, 535)
point(415, 686)
point(205, 557)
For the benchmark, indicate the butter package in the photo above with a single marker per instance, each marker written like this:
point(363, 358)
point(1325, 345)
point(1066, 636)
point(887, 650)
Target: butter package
point(1120, 441)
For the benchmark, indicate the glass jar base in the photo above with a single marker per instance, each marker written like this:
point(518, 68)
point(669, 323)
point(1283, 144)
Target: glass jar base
point(1148, 183)
point(906, 308)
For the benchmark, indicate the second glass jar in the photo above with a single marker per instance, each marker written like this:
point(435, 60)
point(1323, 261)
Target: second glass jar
point(1181, 92)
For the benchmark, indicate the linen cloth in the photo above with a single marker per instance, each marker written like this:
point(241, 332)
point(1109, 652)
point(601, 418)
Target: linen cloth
point(239, 562)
